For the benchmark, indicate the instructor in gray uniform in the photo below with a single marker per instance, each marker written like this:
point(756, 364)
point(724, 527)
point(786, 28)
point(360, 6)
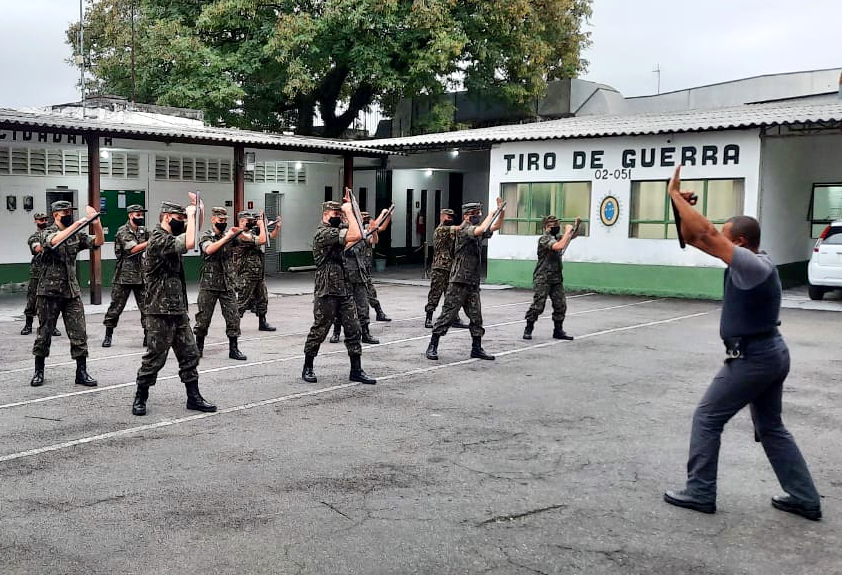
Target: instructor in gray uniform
point(755, 369)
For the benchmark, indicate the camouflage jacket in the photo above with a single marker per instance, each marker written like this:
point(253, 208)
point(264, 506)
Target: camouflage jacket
point(443, 241)
point(163, 274)
point(355, 268)
point(58, 266)
point(218, 268)
point(548, 268)
point(466, 255)
point(35, 266)
point(129, 268)
point(367, 256)
point(328, 248)
point(248, 257)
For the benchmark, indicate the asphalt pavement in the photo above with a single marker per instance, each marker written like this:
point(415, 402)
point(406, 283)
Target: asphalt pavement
point(551, 459)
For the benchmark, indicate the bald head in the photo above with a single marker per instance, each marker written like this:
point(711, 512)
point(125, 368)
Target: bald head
point(743, 228)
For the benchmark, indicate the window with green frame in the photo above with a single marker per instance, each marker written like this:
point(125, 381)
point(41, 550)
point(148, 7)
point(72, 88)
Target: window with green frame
point(528, 203)
point(651, 210)
point(825, 207)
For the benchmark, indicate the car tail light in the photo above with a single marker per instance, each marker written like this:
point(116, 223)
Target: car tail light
point(822, 237)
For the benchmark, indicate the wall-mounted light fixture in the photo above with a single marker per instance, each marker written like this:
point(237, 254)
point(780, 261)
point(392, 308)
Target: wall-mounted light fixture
point(428, 173)
point(104, 154)
point(298, 165)
point(454, 153)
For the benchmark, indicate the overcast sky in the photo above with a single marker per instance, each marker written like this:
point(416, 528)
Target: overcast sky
point(695, 42)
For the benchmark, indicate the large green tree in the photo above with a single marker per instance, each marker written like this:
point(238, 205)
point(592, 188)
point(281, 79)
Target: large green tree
point(266, 64)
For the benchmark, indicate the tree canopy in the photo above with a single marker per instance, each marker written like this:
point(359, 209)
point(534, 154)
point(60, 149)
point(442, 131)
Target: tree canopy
point(275, 64)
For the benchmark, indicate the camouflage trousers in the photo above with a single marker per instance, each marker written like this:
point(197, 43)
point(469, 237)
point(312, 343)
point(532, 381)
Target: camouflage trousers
point(465, 296)
point(74, 323)
point(325, 310)
point(31, 298)
point(253, 296)
point(555, 292)
point(206, 303)
point(438, 285)
point(372, 293)
point(119, 298)
point(165, 332)
point(359, 291)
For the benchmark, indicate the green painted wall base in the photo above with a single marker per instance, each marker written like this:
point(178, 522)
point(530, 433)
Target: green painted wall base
point(296, 259)
point(669, 281)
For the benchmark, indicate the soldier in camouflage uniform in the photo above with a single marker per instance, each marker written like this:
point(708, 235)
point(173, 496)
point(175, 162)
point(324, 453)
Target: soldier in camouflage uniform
point(58, 288)
point(34, 243)
point(443, 241)
point(250, 266)
point(367, 257)
point(332, 295)
point(463, 287)
point(167, 322)
point(547, 279)
point(129, 243)
point(217, 282)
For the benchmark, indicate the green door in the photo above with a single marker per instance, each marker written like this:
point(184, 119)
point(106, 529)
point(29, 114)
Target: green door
point(114, 203)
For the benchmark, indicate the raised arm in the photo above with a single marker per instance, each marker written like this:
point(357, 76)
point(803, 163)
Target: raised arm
point(697, 230)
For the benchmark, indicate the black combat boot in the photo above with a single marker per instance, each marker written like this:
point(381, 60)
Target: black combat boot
point(428, 322)
point(335, 337)
point(106, 341)
point(27, 327)
point(56, 332)
point(38, 378)
point(200, 343)
point(263, 325)
point(381, 316)
point(140, 397)
point(307, 374)
point(357, 373)
point(458, 323)
point(558, 331)
point(195, 401)
point(433, 348)
point(234, 351)
point(527, 331)
point(366, 335)
point(476, 349)
point(82, 376)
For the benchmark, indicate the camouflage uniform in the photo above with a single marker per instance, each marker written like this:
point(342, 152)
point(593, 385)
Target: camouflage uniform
point(332, 296)
point(217, 282)
point(59, 292)
point(547, 280)
point(249, 265)
point(358, 282)
point(34, 273)
point(128, 274)
point(463, 283)
point(367, 259)
point(166, 310)
point(443, 242)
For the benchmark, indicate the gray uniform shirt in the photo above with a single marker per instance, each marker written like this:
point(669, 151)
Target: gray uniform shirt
point(749, 269)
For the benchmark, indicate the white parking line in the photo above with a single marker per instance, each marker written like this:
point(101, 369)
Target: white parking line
point(239, 366)
point(260, 338)
point(285, 398)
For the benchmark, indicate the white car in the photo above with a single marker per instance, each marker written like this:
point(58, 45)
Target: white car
point(825, 270)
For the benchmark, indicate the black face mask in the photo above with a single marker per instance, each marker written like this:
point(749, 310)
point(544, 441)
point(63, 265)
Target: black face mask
point(66, 220)
point(475, 220)
point(221, 226)
point(334, 221)
point(554, 230)
point(138, 221)
point(41, 226)
point(177, 227)
point(447, 222)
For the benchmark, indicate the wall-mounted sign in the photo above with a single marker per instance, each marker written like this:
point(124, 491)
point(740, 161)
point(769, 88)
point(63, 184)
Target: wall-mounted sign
point(8, 136)
point(609, 211)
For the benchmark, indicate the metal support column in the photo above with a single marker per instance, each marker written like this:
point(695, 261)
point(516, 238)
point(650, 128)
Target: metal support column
point(93, 201)
point(239, 180)
point(348, 172)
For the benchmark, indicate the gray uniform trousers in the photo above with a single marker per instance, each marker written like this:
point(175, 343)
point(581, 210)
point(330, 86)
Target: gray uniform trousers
point(756, 380)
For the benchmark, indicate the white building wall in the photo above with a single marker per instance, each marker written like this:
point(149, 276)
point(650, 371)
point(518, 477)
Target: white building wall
point(612, 244)
point(790, 168)
point(416, 180)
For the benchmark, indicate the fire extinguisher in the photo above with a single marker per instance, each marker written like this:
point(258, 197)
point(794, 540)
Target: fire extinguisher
point(421, 225)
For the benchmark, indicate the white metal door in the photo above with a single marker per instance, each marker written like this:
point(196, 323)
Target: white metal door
point(273, 203)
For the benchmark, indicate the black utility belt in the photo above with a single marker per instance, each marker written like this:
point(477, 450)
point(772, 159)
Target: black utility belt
point(735, 346)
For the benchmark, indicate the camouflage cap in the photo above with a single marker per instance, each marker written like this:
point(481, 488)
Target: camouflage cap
point(550, 220)
point(471, 207)
point(246, 215)
point(61, 205)
point(446, 212)
point(219, 212)
point(135, 208)
point(39, 216)
point(172, 208)
point(326, 206)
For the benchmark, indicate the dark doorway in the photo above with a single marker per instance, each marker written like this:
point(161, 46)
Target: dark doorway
point(409, 207)
point(362, 199)
point(328, 193)
point(454, 195)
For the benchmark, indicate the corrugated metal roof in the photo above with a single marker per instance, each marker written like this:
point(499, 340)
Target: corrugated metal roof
point(19, 120)
point(739, 117)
